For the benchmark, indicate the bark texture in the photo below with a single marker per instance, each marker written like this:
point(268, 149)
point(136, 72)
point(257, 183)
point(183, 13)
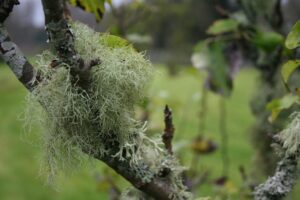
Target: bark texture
point(281, 183)
point(11, 53)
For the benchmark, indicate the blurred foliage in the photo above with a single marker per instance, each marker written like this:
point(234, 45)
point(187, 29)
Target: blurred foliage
point(251, 34)
point(160, 20)
point(293, 38)
point(210, 57)
point(96, 7)
point(223, 26)
point(279, 104)
point(288, 68)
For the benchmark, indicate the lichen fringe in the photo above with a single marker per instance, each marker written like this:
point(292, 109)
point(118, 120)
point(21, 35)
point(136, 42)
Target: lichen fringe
point(290, 136)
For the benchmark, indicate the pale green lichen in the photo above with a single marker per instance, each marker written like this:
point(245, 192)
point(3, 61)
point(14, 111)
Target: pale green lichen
point(290, 136)
point(100, 122)
point(75, 120)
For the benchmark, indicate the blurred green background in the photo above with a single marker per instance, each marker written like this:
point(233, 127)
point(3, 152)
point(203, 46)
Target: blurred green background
point(19, 154)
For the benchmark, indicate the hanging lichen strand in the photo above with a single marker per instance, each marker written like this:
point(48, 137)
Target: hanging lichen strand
point(76, 120)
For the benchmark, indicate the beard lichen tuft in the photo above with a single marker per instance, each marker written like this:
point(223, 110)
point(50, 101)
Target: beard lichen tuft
point(99, 121)
point(76, 121)
point(290, 136)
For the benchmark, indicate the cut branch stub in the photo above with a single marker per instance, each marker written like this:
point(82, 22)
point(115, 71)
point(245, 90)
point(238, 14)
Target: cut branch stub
point(169, 129)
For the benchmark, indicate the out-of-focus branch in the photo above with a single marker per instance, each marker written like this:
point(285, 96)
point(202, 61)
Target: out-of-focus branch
point(169, 129)
point(11, 53)
point(281, 183)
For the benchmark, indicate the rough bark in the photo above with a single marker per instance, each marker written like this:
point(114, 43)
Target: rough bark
point(158, 188)
point(281, 183)
point(61, 39)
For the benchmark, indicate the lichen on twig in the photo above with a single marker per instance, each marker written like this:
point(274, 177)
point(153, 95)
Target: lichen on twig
point(285, 177)
point(169, 129)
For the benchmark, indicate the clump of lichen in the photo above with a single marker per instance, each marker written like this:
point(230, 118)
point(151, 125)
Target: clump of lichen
point(290, 136)
point(76, 120)
point(99, 121)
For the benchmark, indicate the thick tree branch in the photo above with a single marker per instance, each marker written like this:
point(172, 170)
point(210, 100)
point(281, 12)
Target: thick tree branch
point(62, 40)
point(59, 33)
point(158, 188)
point(11, 53)
point(281, 183)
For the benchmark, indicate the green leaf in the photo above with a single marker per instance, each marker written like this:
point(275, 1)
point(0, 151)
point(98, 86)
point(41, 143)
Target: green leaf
point(293, 38)
point(279, 104)
point(113, 41)
point(223, 26)
point(267, 40)
point(96, 7)
point(212, 58)
point(219, 73)
point(288, 68)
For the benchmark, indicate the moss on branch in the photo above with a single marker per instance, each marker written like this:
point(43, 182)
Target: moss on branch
point(100, 122)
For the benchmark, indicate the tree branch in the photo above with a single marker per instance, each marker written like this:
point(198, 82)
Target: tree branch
point(10, 52)
point(281, 183)
point(62, 40)
point(158, 188)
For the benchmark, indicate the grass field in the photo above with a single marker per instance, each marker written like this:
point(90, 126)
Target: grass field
point(19, 159)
